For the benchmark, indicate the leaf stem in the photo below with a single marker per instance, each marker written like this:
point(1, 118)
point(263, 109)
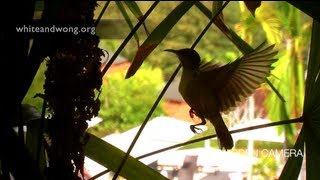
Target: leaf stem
point(208, 25)
point(101, 13)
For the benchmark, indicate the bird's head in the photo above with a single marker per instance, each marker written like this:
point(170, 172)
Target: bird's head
point(189, 58)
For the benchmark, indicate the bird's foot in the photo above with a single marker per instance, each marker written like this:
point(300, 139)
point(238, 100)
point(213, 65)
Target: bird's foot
point(195, 129)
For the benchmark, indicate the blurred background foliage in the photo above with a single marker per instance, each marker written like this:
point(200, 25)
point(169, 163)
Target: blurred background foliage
point(125, 103)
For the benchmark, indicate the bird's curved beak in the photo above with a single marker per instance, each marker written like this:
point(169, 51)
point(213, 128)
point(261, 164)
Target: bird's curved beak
point(176, 52)
point(171, 50)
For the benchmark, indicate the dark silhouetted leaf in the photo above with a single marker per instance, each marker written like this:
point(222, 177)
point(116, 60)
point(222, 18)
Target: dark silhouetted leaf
point(157, 35)
point(141, 54)
point(311, 106)
point(292, 167)
point(309, 7)
point(134, 8)
point(311, 115)
point(110, 157)
point(312, 154)
point(127, 18)
point(32, 142)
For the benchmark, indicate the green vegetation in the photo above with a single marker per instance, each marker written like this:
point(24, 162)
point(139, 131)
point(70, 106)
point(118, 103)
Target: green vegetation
point(295, 30)
point(36, 88)
point(265, 168)
point(124, 104)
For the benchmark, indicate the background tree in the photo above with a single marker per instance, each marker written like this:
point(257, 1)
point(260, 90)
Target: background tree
point(295, 33)
point(124, 104)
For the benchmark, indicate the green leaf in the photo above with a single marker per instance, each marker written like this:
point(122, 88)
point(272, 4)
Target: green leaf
point(292, 167)
point(39, 5)
point(157, 35)
point(134, 8)
point(110, 157)
point(127, 18)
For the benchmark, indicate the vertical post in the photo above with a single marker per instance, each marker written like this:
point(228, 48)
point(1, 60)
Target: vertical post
point(188, 168)
point(250, 141)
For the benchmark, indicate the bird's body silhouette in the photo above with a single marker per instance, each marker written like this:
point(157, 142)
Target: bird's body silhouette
point(210, 88)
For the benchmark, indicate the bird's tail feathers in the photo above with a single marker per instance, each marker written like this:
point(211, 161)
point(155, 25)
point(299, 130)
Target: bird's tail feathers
point(224, 137)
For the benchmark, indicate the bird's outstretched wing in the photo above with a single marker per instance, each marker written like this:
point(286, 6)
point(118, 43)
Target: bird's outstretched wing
point(233, 82)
